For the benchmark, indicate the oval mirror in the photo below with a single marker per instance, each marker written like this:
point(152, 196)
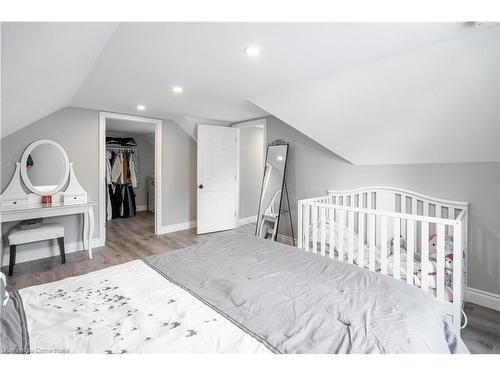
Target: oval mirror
point(44, 167)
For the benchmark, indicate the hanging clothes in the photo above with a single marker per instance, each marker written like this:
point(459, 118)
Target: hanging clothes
point(135, 160)
point(109, 186)
point(125, 206)
point(133, 176)
point(109, 202)
point(117, 169)
point(125, 169)
point(122, 176)
point(108, 167)
point(131, 195)
point(116, 202)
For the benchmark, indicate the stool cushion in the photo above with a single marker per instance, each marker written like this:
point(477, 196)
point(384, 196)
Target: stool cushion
point(44, 232)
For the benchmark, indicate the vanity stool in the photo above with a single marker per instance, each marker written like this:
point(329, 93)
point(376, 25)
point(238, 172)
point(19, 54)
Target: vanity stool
point(42, 233)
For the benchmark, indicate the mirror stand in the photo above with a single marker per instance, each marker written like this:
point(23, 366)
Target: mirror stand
point(272, 192)
point(288, 211)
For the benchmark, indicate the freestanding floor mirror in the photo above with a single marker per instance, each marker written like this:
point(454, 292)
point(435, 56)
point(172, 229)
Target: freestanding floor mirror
point(273, 185)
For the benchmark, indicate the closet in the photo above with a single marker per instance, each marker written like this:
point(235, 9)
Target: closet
point(122, 177)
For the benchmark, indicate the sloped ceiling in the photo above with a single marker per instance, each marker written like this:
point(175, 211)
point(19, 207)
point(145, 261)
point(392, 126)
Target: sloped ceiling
point(304, 76)
point(43, 66)
point(436, 104)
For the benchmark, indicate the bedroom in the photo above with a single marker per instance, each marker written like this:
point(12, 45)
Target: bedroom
point(241, 187)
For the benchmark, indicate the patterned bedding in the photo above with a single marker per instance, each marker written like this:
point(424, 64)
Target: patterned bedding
point(230, 293)
point(128, 308)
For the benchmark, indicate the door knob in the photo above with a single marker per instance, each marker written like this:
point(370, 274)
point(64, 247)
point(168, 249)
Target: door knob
point(200, 186)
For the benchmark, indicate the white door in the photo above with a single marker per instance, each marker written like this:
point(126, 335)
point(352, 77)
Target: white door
point(218, 180)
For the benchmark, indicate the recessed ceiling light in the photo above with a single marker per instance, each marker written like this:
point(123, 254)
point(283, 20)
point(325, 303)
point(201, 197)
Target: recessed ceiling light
point(252, 51)
point(141, 107)
point(177, 89)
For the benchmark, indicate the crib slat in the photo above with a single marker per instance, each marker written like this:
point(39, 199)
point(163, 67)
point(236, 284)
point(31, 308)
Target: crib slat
point(350, 244)
point(414, 206)
point(331, 247)
point(383, 244)
point(307, 229)
point(371, 241)
point(300, 234)
point(340, 227)
point(403, 210)
point(397, 246)
point(457, 271)
point(440, 262)
point(425, 206)
point(315, 229)
point(410, 243)
point(361, 240)
point(414, 211)
point(425, 257)
point(451, 215)
point(323, 231)
point(439, 211)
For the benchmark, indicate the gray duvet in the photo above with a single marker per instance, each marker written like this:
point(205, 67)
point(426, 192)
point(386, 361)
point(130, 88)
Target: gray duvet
point(296, 302)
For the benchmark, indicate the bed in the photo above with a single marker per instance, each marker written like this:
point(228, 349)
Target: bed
point(232, 292)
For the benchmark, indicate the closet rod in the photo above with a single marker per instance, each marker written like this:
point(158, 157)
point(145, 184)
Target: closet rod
point(118, 148)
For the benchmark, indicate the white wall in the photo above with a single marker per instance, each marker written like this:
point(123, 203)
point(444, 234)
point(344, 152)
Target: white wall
point(179, 175)
point(312, 170)
point(251, 169)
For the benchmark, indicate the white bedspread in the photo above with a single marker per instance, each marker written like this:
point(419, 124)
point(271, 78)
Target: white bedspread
point(127, 308)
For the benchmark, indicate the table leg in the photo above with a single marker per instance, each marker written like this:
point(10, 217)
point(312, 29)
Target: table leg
point(91, 231)
point(86, 230)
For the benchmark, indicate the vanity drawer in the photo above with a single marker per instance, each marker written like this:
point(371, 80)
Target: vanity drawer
point(14, 203)
point(74, 198)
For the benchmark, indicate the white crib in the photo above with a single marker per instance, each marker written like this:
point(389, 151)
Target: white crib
point(371, 216)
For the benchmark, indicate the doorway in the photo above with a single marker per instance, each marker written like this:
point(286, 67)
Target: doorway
point(129, 170)
point(253, 147)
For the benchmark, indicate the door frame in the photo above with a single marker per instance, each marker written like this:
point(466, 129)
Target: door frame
point(254, 123)
point(103, 116)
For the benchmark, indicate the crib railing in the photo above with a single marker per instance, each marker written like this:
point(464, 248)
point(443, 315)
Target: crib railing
point(372, 228)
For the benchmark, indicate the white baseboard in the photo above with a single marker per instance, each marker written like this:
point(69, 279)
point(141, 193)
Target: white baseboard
point(482, 298)
point(141, 207)
point(247, 220)
point(287, 240)
point(177, 227)
point(46, 251)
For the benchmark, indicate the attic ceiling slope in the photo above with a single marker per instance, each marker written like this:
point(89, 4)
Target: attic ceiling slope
point(115, 67)
point(143, 61)
point(43, 66)
point(439, 104)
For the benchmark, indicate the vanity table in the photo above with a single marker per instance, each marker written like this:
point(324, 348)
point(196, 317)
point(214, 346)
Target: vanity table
point(45, 171)
point(35, 211)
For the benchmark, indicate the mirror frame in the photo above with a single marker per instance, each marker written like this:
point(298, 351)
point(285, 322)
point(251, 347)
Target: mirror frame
point(24, 173)
point(273, 144)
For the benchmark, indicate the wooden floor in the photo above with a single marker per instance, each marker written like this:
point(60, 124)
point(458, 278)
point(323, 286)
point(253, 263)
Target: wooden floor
point(134, 238)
